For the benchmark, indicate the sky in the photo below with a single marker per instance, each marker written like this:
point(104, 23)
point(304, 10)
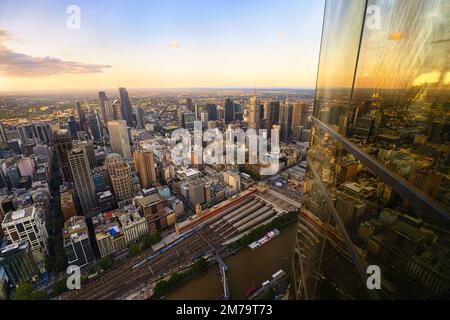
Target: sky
point(159, 44)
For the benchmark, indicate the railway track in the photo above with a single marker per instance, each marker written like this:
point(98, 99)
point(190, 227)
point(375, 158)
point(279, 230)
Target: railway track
point(127, 278)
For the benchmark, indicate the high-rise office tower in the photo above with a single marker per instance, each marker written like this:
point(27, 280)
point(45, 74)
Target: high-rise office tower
point(188, 119)
point(196, 191)
point(189, 105)
point(254, 116)
point(140, 118)
point(44, 133)
point(275, 113)
point(125, 105)
point(81, 117)
point(63, 144)
point(144, 163)
point(82, 178)
point(95, 125)
point(27, 132)
point(105, 108)
point(212, 111)
point(73, 128)
point(229, 111)
point(381, 81)
point(18, 262)
point(88, 148)
point(28, 224)
point(299, 118)
point(120, 141)
point(120, 176)
point(286, 122)
point(3, 137)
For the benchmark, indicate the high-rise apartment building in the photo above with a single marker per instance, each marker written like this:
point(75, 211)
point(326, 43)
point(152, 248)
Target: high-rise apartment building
point(120, 141)
point(63, 144)
point(381, 85)
point(144, 163)
point(82, 178)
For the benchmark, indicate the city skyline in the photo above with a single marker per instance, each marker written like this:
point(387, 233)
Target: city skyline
point(243, 44)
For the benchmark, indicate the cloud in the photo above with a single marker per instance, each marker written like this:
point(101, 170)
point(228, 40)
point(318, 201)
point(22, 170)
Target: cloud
point(174, 44)
point(23, 65)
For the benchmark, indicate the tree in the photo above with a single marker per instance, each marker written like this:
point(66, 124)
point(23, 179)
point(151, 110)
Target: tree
point(59, 287)
point(24, 291)
point(107, 262)
point(134, 250)
point(150, 240)
point(39, 295)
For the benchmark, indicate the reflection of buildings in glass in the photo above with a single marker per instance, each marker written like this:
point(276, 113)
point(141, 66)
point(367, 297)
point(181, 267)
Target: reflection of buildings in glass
point(379, 156)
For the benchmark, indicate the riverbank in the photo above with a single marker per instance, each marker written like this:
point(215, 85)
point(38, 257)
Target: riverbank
point(247, 268)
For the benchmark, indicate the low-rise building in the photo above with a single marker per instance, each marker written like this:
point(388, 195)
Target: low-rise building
point(77, 245)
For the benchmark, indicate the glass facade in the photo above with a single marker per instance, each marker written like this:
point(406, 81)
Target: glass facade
point(379, 157)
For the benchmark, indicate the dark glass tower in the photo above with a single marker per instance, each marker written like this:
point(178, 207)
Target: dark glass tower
point(229, 111)
point(378, 178)
point(125, 105)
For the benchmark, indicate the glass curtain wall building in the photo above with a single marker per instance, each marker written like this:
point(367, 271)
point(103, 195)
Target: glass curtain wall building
point(379, 165)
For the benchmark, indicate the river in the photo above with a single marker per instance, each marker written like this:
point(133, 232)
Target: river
point(247, 268)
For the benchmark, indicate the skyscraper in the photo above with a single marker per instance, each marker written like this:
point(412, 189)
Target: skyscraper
point(254, 116)
point(120, 175)
point(188, 119)
point(275, 112)
point(189, 104)
point(3, 137)
point(369, 73)
point(144, 162)
point(81, 117)
point(18, 262)
point(286, 121)
point(229, 111)
point(82, 177)
point(88, 148)
point(125, 104)
point(140, 118)
point(73, 128)
point(120, 141)
point(95, 125)
point(63, 144)
point(105, 108)
point(299, 118)
point(212, 111)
